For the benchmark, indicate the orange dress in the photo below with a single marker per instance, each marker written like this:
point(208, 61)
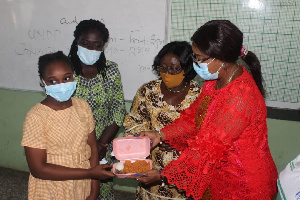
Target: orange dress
point(63, 134)
point(223, 137)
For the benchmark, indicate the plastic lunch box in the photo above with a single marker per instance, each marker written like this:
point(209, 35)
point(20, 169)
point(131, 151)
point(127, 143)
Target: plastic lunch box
point(131, 148)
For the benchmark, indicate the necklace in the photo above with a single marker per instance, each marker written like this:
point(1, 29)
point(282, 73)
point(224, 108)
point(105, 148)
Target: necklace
point(230, 78)
point(177, 91)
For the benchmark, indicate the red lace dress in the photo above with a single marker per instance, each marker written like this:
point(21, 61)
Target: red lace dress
point(224, 143)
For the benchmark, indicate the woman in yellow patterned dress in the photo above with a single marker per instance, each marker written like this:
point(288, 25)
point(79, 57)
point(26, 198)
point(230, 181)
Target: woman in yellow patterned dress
point(159, 103)
point(59, 139)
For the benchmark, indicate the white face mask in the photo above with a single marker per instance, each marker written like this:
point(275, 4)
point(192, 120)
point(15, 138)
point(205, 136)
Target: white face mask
point(202, 71)
point(61, 92)
point(88, 57)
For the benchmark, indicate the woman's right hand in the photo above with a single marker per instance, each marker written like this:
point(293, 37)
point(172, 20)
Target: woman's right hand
point(102, 149)
point(148, 177)
point(165, 147)
point(153, 135)
point(101, 172)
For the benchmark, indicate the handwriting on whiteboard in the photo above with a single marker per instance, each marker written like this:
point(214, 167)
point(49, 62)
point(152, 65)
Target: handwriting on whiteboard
point(131, 44)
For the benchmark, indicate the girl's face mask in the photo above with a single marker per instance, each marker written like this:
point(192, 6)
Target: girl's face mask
point(61, 92)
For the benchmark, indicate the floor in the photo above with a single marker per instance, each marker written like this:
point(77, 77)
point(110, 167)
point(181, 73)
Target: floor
point(13, 186)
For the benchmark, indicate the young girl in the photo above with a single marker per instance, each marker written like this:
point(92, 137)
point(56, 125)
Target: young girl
point(59, 138)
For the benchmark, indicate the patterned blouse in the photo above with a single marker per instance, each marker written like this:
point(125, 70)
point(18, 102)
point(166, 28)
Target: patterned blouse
point(149, 111)
point(105, 97)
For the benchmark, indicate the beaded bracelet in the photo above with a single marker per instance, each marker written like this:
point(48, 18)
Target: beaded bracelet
point(162, 178)
point(160, 137)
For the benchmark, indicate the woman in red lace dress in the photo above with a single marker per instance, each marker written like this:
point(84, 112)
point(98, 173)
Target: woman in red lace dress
point(223, 135)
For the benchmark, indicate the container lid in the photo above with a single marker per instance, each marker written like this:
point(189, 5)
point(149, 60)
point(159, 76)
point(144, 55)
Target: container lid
point(131, 147)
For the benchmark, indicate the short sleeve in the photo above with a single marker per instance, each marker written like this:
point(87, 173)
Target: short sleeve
point(138, 119)
point(33, 132)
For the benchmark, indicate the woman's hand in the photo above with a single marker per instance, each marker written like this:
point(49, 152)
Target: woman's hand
point(153, 135)
point(102, 149)
point(101, 172)
point(165, 147)
point(148, 177)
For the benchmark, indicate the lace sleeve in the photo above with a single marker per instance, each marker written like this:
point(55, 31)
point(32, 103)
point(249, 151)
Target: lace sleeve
point(138, 118)
point(227, 117)
point(182, 128)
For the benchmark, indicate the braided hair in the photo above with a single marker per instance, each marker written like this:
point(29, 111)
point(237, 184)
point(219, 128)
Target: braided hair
point(47, 59)
point(84, 26)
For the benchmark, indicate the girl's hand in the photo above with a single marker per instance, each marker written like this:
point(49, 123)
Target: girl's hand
point(148, 177)
point(101, 172)
point(92, 197)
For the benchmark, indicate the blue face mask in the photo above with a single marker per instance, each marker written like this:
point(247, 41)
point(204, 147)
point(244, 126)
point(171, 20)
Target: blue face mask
point(88, 57)
point(61, 92)
point(202, 71)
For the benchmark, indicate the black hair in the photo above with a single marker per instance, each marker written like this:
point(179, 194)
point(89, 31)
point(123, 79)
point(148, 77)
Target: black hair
point(84, 26)
point(47, 59)
point(183, 51)
point(222, 40)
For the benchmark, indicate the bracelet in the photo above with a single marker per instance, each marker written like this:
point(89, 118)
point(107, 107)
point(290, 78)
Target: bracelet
point(160, 137)
point(162, 178)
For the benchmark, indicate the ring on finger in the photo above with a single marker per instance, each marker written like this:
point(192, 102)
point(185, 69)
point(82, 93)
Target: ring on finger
point(143, 174)
point(137, 179)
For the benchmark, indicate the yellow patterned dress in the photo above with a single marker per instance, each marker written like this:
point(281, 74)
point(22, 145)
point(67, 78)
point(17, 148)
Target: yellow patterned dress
point(63, 134)
point(149, 111)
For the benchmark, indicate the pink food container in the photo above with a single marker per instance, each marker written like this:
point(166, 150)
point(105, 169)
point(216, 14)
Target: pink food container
point(131, 148)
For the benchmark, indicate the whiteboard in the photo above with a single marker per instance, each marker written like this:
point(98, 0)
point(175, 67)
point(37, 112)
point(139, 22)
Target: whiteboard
point(31, 28)
point(271, 30)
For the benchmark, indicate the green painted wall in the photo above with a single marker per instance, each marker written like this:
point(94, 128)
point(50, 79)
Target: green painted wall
point(14, 106)
point(284, 136)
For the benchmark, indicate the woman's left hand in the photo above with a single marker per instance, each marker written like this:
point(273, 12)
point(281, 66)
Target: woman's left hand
point(147, 177)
